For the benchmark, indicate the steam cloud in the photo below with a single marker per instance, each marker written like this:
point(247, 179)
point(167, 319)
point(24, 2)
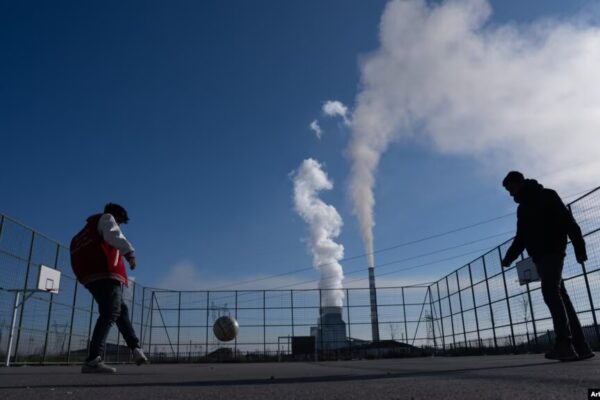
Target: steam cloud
point(513, 96)
point(314, 126)
point(335, 108)
point(324, 224)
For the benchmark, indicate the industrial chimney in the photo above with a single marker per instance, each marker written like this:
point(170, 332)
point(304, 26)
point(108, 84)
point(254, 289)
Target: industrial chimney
point(373, 296)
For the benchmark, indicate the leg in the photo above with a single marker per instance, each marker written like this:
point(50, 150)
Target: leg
point(126, 329)
point(107, 294)
point(579, 341)
point(550, 271)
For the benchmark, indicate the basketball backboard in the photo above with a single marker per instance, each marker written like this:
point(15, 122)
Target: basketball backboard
point(48, 279)
point(527, 271)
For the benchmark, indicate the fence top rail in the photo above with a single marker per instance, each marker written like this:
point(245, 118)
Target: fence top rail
point(7, 218)
point(584, 196)
point(161, 290)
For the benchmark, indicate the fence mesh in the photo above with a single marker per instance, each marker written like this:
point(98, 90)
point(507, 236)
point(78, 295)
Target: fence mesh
point(479, 307)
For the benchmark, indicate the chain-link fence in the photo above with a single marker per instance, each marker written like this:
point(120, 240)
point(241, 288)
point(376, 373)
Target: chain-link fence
point(478, 308)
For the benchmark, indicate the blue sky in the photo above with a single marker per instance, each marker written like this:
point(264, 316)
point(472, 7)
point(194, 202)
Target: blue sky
point(193, 115)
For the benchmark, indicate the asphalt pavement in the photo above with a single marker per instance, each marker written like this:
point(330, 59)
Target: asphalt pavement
point(480, 377)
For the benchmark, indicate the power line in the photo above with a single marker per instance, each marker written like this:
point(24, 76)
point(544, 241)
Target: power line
point(393, 247)
point(404, 244)
point(478, 251)
point(387, 264)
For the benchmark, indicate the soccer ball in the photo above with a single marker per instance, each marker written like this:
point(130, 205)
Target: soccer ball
point(226, 328)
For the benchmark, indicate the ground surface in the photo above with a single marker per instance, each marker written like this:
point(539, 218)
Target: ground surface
point(482, 377)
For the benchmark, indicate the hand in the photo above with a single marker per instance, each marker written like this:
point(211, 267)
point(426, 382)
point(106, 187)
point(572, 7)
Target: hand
point(505, 263)
point(581, 258)
point(131, 260)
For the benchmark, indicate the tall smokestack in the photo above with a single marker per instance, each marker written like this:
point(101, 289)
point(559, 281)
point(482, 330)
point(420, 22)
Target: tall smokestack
point(373, 296)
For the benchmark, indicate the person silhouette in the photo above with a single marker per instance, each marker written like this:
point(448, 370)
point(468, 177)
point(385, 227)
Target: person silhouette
point(543, 225)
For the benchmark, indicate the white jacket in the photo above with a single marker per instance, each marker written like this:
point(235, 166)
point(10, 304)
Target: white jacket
point(112, 234)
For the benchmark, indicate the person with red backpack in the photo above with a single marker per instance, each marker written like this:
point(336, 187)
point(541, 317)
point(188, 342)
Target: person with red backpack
point(97, 254)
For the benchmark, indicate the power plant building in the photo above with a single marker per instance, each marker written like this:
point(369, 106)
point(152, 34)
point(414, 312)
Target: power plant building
point(330, 332)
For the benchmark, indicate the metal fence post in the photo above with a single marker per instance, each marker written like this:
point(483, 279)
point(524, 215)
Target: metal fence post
point(349, 325)
point(432, 320)
point(292, 309)
point(264, 323)
point(235, 352)
point(439, 300)
point(142, 330)
point(320, 329)
point(72, 320)
point(512, 330)
point(151, 322)
point(178, 326)
point(29, 257)
point(132, 310)
point(475, 307)
point(451, 312)
point(206, 328)
point(487, 285)
point(50, 307)
point(404, 311)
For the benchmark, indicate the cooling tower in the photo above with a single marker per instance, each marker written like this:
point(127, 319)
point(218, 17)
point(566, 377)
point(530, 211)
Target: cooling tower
point(331, 331)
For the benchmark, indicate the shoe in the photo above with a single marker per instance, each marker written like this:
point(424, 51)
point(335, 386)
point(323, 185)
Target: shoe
point(97, 366)
point(562, 351)
point(139, 357)
point(584, 352)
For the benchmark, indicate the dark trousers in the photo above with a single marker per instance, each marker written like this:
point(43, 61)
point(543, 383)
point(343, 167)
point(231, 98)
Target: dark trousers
point(108, 294)
point(566, 323)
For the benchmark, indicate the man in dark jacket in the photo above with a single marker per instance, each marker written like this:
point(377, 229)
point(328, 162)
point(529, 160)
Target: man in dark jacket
point(543, 224)
point(97, 253)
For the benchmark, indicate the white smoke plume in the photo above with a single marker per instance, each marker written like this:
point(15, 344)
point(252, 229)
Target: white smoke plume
point(512, 96)
point(314, 126)
point(335, 108)
point(324, 225)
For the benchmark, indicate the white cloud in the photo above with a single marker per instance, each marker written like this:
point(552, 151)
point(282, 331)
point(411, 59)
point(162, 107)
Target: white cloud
point(335, 108)
point(521, 97)
point(314, 126)
point(183, 276)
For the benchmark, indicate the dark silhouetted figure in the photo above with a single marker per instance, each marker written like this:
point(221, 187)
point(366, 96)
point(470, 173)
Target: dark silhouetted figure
point(97, 253)
point(543, 224)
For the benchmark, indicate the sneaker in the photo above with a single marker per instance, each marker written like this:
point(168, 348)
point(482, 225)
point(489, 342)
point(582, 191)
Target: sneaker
point(139, 357)
point(584, 352)
point(562, 351)
point(97, 366)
